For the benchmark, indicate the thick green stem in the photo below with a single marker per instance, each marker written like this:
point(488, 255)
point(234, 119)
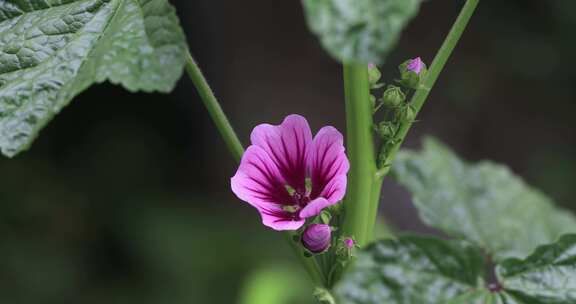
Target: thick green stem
point(236, 149)
point(374, 203)
point(214, 109)
point(437, 66)
point(360, 149)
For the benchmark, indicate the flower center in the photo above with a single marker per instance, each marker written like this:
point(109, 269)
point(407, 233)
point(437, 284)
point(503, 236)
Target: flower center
point(300, 197)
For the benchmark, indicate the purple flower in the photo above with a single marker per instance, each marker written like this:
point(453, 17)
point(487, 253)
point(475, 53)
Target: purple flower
point(415, 65)
point(349, 243)
point(288, 176)
point(317, 237)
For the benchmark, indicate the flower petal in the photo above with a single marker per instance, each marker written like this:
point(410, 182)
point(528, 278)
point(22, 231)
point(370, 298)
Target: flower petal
point(258, 181)
point(315, 207)
point(328, 165)
point(335, 189)
point(278, 219)
point(287, 144)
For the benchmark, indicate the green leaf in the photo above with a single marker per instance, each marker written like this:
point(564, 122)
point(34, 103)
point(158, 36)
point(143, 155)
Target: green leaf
point(548, 276)
point(50, 51)
point(485, 202)
point(477, 297)
point(412, 269)
point(359, 30)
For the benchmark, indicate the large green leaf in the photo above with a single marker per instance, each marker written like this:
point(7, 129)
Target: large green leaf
point(481, 296)
point(484, 203)
point(413, 270)
point(51, 50)
point(359, 30)
point(548, 276)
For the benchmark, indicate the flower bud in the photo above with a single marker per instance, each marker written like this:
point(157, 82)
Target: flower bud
point(317, 237)
point(393, 96)
point(416, 65)
point(385, 130)
point(349, 243)
point(345, 249)
point(373, 74)
point(407, 113)
point(412, 72)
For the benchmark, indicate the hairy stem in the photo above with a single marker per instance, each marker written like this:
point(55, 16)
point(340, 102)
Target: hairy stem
point(360, 148)
point(214, 109)
point(236, 149)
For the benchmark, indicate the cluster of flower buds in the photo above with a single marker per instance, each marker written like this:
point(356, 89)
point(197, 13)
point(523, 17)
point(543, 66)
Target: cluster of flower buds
point(394, 100)
point(317, 238)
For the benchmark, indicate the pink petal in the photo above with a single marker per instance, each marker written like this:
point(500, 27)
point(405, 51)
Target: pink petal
point(315, 207)
point(335, 189)
point(258, 181)
point(278, 219)
point(287, 144)
point(328, 165)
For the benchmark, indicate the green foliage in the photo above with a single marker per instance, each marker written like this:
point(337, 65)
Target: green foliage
point(484, 203)
point(412, 269)
point(279, 284)
point(488, 206)
point(428, 270)
point(477, 297)
point(546, 276)
point(51, 51)
point(359, 30)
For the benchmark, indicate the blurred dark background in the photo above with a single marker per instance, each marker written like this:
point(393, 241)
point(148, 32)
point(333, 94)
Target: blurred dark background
point(124, 198)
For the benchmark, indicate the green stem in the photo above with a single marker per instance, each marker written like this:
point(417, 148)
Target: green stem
point(214, 109)
point(437, 66)
point(310, 263)
point(236, 149)
point(374, 203)
point(360, 149)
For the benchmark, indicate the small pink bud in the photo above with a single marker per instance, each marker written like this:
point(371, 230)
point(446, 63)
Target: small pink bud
point(317, 237)
point(415, 65)
point(371, 66)
point(349, 243)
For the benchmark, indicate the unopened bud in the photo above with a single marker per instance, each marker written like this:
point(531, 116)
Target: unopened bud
point(373, 74)
point(385, 130)
point(349, 243)
point(412, 72)
point(393, 96)
point(317, 237)
point(407, 113)
point(416, 65)
point(345, 248)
